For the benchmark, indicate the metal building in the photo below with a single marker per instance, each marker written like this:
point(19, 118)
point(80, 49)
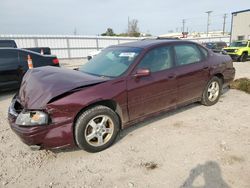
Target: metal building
point(240, 25)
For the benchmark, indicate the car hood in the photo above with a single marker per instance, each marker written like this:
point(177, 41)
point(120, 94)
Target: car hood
point(40, 85)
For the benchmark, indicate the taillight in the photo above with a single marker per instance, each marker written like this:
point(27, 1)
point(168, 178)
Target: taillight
point(56, 61)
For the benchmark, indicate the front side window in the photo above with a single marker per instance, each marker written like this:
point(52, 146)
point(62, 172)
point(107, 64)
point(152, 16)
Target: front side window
point(187, 54)
point(157, 59)
point(111, 62)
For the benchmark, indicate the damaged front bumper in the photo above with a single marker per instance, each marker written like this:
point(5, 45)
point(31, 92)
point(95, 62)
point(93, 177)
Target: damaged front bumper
point(55, 135)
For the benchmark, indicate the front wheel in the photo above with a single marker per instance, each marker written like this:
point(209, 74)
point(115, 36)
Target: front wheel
point(212, 92)
point(96, 128)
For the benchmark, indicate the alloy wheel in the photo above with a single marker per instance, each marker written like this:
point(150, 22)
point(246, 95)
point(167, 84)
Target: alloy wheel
point(99, 130)
point(213, 91)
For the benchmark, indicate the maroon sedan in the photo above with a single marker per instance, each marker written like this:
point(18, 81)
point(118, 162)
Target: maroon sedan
point(124, 84)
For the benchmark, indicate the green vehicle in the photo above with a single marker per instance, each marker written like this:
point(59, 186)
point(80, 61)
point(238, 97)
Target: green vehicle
point(239, 50)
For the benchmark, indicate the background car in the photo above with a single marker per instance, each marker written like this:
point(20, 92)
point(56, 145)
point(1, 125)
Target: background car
point(124, 84)
point(14, 64)
point(93, 54)
point(217, 47)
point(239, 50)
point(12, 44)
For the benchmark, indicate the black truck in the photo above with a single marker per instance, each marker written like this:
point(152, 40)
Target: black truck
point(12, 44)
point(14, 64)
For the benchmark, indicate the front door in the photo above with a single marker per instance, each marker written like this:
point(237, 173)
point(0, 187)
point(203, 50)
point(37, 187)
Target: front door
point(156, 91)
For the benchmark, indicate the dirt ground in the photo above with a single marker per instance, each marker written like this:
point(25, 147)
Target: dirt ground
point(195, 146)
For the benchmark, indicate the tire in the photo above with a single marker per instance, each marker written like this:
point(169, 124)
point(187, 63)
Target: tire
point(96, 128)
point(212, 92)
point(243, 57)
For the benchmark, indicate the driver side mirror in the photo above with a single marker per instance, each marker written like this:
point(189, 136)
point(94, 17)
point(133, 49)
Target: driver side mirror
point(142, 73)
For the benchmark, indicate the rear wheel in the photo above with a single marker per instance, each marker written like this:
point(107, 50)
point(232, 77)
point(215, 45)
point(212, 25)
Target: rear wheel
point(96, 128)
point(212, 92)
point(243, 57)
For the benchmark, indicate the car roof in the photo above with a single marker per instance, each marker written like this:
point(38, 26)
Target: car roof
point(147, 43)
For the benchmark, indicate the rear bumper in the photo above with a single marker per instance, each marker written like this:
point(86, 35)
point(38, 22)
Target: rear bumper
point(229, 75)
point(53, 136)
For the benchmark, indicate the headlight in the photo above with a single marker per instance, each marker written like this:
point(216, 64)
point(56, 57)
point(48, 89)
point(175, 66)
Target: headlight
point(32, 118)
point(236, 50)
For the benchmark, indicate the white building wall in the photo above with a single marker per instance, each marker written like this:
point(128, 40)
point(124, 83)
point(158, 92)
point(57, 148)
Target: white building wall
point(240, 25)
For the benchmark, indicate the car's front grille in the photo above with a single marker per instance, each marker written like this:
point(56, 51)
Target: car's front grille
point(229, 50)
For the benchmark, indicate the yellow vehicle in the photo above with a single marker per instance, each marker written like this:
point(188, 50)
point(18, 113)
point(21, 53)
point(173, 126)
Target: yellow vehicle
point(239, 50)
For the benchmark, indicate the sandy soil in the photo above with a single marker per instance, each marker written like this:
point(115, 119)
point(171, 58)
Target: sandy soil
point(192, 146)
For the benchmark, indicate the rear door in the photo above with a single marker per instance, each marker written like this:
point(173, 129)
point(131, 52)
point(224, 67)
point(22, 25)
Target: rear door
point(9, 65)
point(157, 91)
point(192, 71)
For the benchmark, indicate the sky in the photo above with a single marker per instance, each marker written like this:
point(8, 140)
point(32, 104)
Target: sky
point(93, 17)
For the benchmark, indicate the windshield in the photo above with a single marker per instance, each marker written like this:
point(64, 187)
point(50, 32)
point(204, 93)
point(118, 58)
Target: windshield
point(111, 62)
point(239, 44)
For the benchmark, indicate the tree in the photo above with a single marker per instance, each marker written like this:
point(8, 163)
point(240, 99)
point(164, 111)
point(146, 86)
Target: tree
point(133, 29)
point(109, 32)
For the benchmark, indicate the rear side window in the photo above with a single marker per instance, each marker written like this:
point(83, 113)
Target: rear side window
point(204, 51)
point(187, 54)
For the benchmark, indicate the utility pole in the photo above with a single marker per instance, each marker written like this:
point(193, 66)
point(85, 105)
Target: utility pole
point(208, 21)
point(128, 26)
point(224, 23)
point(183, 25)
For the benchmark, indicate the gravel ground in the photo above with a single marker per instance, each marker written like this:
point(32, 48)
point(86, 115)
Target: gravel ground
point(195, 146)
point(242, 69)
